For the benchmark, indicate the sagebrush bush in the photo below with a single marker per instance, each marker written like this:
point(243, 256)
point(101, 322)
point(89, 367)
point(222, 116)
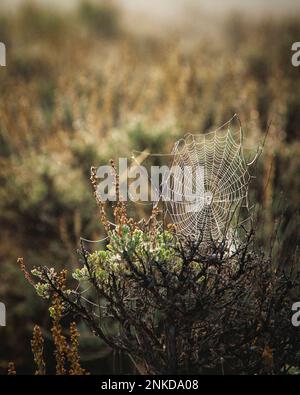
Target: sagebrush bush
point(182, 305)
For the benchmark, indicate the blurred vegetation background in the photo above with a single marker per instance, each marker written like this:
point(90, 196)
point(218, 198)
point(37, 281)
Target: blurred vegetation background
point(95, 82)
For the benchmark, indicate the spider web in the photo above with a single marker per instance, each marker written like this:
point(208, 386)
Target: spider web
point(222, 188)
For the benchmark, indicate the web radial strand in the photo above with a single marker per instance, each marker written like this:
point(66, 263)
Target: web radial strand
point(225, 183)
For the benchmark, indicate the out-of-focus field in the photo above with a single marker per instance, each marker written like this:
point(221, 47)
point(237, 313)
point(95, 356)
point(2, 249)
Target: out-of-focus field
point(85, 86)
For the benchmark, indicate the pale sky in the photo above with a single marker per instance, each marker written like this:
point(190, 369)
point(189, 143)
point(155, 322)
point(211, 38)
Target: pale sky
point(170, 8)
